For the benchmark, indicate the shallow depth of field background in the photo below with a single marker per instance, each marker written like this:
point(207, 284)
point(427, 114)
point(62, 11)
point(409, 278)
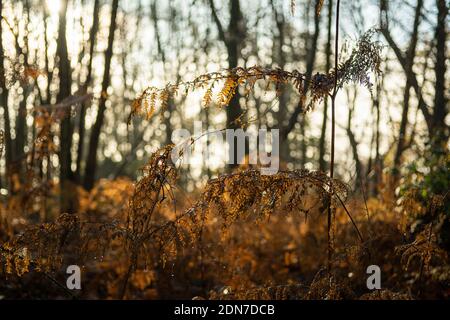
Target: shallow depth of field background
point(87, 110)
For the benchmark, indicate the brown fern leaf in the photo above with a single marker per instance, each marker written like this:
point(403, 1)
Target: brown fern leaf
point(424, 249)
point(207, 98)
point(249, 194)
point(228, 91)
point(232, 79)
point(319, 5)
point(364, 59)
point(46, 247)
point(147, 228)
point(2, 141)
point(164, 97)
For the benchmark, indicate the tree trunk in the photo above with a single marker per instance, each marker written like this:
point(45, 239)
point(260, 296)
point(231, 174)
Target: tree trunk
point(440, 101)
point(410, 55)
point(378, 160)
point(48, 72)
point(424, 108)
point(352, 140)
point(81, 125)
point(233, 44)
point(279, 57)
point(65, 143)
point(4, 102)
point(310, 60)
point(21, 127)
point(323, 131)
point(233, 40)
point(402, 132)
point(91, 163)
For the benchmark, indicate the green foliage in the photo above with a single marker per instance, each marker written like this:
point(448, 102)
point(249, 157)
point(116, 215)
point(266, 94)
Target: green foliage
point(428, 177)
point(424, 194)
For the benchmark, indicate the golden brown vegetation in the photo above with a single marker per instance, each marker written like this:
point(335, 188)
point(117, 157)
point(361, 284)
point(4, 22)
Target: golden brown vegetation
point(244, 236)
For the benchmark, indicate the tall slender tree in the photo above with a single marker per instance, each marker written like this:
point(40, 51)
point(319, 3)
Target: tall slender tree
point(91, 162)
point(66, 130)
point(4, 101)
point(409, 57)
point(440, 100)
point(233, 39)
point(434, 116)
point(81, 126)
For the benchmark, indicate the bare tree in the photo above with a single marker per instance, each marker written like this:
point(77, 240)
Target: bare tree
point(310, 61)
point(351, 136)
point(4, 99)
point(65, 83)
point(91, 162)
point(233, 38)
point(440, 68)
point(434, 117)
point(409, 60)
point(87, 82)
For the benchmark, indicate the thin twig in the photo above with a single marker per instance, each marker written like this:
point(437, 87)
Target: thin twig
point(333, 125)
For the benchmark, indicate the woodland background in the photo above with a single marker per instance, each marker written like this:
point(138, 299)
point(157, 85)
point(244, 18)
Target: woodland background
point(86, 180)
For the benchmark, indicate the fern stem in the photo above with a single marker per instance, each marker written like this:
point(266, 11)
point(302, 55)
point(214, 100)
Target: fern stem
point(333, 128)
point(123, 289)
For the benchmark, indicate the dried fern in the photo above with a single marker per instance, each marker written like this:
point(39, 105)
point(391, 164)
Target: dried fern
point(46, 247)
point(248, 193)
point(364, 59)
point(232, 79)
point(423, 249)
